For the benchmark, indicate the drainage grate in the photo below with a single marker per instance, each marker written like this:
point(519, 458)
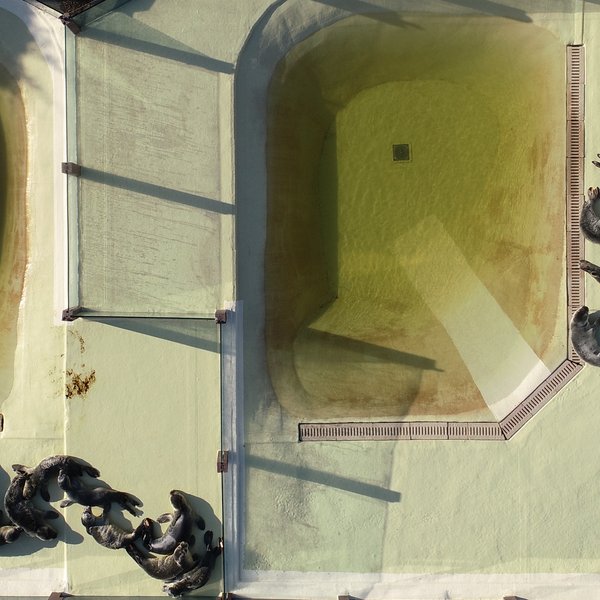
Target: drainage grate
point(574, 175)
point(538, 398)
point(401, 152)
point(417, 430)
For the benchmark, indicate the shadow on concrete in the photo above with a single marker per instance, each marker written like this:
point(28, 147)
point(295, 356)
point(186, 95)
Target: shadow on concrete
point(360, 349)
point(196, 333)
point(364, 9)
point(122, 30)
point(322, 478)
point(156, 191)
point(392, 17)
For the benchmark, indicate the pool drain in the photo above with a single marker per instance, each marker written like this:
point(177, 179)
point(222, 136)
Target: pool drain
point(401, 152)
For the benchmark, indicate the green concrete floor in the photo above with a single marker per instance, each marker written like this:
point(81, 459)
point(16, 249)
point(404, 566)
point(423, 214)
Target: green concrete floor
point(151, 417)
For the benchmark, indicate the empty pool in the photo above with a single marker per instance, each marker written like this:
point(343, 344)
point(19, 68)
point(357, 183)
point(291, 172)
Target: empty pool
point(415, 237)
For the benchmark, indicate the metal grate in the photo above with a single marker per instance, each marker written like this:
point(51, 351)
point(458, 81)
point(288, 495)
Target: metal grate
point(538, 398)
point(574, 176)
point(401, 152)
point(353, 431)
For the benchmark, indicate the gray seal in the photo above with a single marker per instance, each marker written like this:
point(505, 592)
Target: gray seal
point(200, 574)
point(9, 533)
point(584, 328)
point(589, 220)
point(99, 496)
point(39, 476)
point(163, 567)
point(181, 523)
point(583, 336)
point(24, 514)
point(108, 534)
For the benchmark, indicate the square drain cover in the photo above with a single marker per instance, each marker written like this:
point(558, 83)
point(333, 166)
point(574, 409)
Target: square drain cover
point(401, 152)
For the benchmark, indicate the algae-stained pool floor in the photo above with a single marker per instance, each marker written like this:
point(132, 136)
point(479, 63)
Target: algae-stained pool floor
point(13, 242)
point(432, 287)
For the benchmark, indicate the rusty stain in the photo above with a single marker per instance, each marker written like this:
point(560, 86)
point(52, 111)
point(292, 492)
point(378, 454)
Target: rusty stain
point(78, 384)
point(80, 340)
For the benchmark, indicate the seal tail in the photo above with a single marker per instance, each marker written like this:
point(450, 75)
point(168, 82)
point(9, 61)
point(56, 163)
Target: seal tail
point(22, 469)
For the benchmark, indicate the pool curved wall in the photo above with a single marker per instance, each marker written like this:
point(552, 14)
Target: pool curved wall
point(13, 220)
point(309, 87)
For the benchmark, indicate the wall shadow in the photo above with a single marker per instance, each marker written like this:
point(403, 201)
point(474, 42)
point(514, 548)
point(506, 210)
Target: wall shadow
point(374, 351)
point(392, 17)
point(156, 191)
point(495, 9)
point(370, 11)
point(196, 333)
point(120, 29)
point(322, 478)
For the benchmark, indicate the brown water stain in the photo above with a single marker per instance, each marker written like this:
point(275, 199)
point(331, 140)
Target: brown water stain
point(78, 384)
point(79, 338)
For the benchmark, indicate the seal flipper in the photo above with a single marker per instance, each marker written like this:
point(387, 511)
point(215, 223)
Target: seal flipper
point(129, 503)
point(165, 518)
point(44, 493)
point(66, 502)
point(208, 538)
point(590, 268)
point(92, 471)
point(22, 469)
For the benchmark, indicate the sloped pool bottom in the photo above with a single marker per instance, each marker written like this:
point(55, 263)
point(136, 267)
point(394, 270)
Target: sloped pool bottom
point(404, 289)
point(13, 242)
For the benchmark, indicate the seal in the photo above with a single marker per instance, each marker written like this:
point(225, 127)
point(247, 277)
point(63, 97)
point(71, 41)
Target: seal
point(199, 575)
point(591, 268)
point(163, 567)
point(104, 497)
point(180, 527)
point(584, 328)
point(583, 336)
point(589, 220)
point(24, 514)
point(106, 533)
point(39, 476)
point(9, 533)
